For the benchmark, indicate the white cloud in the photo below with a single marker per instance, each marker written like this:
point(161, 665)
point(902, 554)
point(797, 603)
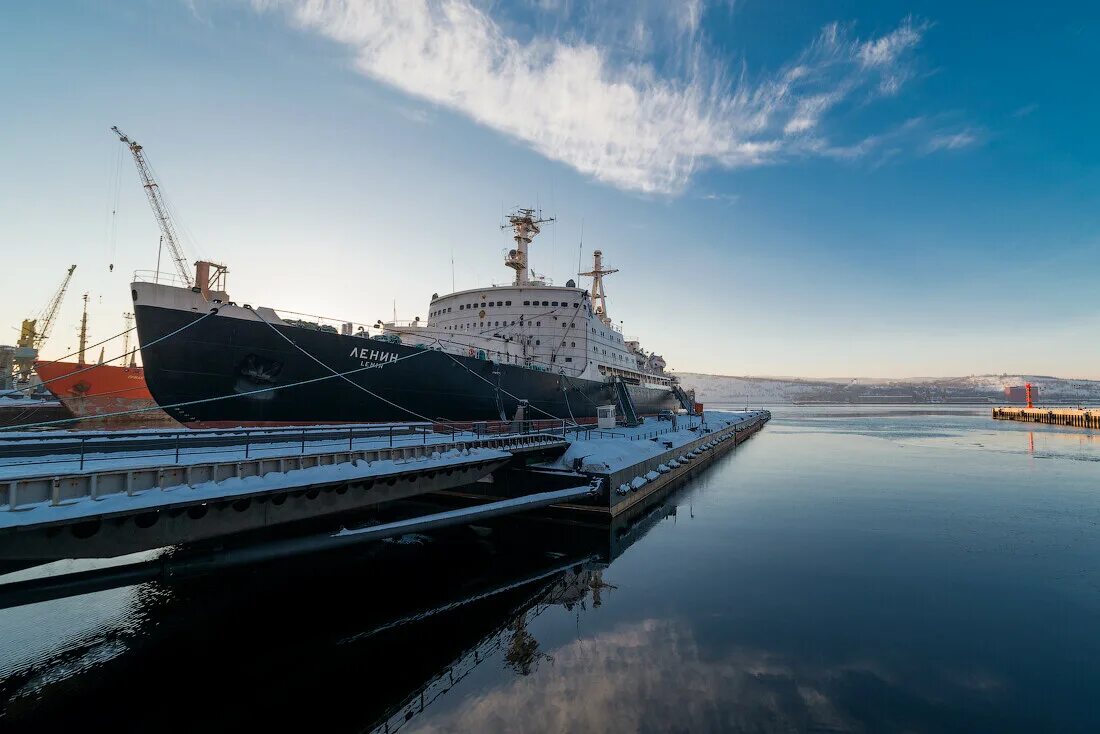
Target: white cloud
point(953, 141)
point(886, 50)
point(623, 123)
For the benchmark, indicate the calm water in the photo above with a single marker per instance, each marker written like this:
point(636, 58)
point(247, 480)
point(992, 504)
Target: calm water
point(885, 569)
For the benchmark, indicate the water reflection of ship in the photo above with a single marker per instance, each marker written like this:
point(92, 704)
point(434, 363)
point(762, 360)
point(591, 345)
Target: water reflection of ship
point(355, 643)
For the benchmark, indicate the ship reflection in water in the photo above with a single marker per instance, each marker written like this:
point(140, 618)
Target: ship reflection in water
point(845, 571)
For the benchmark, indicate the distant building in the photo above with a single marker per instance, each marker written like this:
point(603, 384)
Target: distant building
point(1018, 394)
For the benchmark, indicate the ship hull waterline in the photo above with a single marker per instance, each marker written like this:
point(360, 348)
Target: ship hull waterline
point(227, 372)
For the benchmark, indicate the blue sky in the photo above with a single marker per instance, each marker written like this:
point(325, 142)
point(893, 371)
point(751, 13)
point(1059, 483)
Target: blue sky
point(817, 189)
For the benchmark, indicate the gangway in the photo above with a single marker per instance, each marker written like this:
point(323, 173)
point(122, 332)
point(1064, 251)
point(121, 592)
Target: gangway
point(626, 404)
point(686, 401)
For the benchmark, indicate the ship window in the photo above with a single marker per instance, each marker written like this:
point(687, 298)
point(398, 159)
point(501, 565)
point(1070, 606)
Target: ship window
point(538, 342)
point(461, 306)
point(571, 324)
point(513, 323)
point(526, 303)
point(568, 359)
point(605, 351)
point(593, 329)
point(507, 303)
point(546, 303)
point(563, 344)
point(553, 358)
point(576, 305)
point(553, 303)
point(538, 323)
point(572, 344)
point(448, 309)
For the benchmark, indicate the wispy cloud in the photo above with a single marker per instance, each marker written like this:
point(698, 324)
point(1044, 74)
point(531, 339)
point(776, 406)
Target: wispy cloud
point(1025, 110)
point(953, 141)
point(628, 124)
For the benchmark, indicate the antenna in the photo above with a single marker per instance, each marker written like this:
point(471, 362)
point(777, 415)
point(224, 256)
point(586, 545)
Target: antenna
point(525, 224)
point(580, 250)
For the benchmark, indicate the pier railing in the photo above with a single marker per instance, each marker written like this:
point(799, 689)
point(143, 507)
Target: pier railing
point(56, 450)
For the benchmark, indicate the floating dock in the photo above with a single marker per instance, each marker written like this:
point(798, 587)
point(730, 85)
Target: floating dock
point(102, 496)
point(1076, 417)
point(634, 466)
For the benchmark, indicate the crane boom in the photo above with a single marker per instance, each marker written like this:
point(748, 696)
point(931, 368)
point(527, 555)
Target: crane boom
point(160, 209)
point(49, 313)
point(34, 332)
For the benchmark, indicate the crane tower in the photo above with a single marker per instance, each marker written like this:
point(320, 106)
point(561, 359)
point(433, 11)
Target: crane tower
point(35, 331)
point(210, 276)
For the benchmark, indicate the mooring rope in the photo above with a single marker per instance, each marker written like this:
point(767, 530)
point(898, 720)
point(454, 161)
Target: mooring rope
point(211, 312)
point(334, 372)
point(201, 401)
point(71, 354)
point(497, 387)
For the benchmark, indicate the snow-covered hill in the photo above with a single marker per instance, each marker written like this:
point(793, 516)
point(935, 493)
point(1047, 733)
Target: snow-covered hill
point(725, 389)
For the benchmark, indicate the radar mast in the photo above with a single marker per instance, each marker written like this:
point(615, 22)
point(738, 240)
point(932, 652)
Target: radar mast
point(525, 224)
point(599, 295)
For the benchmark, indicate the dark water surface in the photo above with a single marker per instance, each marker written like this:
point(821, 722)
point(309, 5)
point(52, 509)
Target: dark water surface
point(847, 569)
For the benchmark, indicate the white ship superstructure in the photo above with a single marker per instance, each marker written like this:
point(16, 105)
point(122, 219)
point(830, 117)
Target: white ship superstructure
point(561, 329)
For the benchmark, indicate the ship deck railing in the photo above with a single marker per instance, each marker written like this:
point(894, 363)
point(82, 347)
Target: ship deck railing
point(160, 277)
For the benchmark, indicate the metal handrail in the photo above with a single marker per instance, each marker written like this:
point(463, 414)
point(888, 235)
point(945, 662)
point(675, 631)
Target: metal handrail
point(160, 277)
point(315, 439)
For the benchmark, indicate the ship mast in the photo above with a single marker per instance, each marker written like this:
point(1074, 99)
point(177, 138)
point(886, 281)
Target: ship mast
point(599, 295)
point(128, 318)
point(83, 331)
point(525, 224)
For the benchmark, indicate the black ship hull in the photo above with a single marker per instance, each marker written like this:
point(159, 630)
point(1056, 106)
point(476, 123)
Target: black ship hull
point(228, 371)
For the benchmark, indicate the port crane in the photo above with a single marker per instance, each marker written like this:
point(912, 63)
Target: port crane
point(35, 331)
point(211, 276)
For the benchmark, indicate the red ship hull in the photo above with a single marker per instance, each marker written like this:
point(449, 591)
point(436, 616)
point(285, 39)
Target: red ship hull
point(106, 394)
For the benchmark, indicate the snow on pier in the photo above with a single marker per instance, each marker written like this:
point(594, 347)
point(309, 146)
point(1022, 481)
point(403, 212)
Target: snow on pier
point(635, 463)
point(161, 494)
point(65, 495)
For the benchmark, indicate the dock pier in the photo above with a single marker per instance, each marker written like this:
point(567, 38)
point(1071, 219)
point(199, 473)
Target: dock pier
point(215, 504)
point(1075, 417)
point(72, 505)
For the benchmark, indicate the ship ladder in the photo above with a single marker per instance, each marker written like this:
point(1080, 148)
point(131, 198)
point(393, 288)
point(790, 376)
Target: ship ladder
point(626, 404)
point(685, 399)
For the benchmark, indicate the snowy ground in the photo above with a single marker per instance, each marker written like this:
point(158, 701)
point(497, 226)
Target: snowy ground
point(611, 451)
point(162, 452)
point(41, 512)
